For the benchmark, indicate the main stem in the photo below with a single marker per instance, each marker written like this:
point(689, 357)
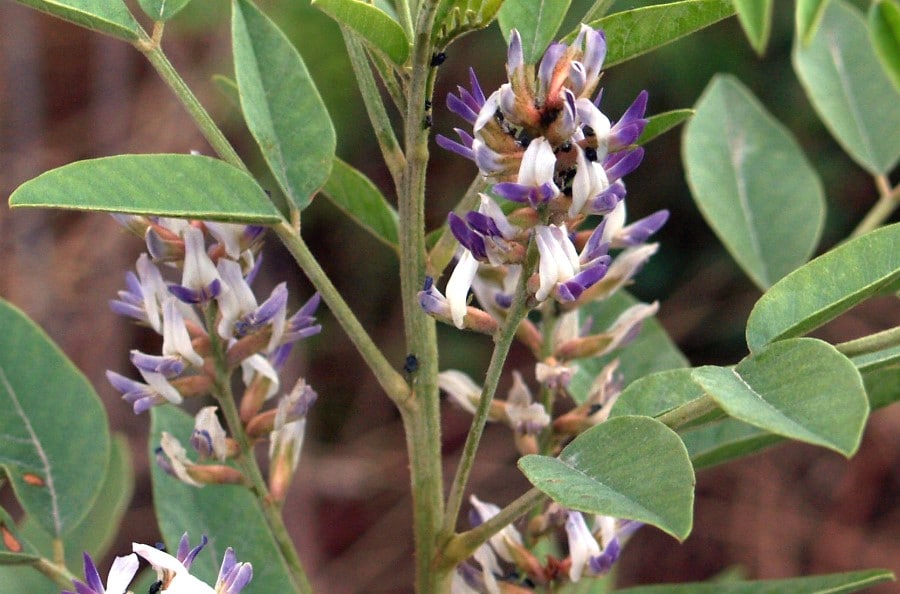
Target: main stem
point(421, 413)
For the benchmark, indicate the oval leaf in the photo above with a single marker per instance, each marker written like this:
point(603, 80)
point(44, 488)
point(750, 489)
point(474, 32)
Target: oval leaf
point(106, 16)
point(884, 29)
point(802, 388)
point(537, 22)
point(185, 186)
point(635, 32)
point(378, 30)
point(661, 123)
point(229, 515)
point(281, 105)
point(55, 439)
point(457, 17)
point(651, 351)
point(162, 10)
point(809, 15)
point(628, 467)
point(755, 17)
point(836, 583)
point(354, 193)
point(826, 287)
point(752, 182)
point(849, 90)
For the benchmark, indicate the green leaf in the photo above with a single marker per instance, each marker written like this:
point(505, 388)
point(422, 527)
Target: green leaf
point(185, 186)
point(378, 30)
point(14, 548)
point(354, 193)
point(55, 437)
point(651, 351)
point(755, 17)
point(884, 30)
point(657, 393)
point(228, 514)
point(725, 440)
point(162, 10)
point(458, 17)
point(537, 22)
point(802, 388)
point(882, 386)
point(106, 16)
point(752, 182)
point(628, 467)
point(835, 583)
point(281, 104)
point(849, 90)
point(632, 33)
point(808, 16)
point(827, 286)
point(661, 123)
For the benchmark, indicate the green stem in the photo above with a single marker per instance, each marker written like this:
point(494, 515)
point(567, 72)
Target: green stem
point(888, 201)
point(421, 413)
point(872, 343)
point(150, 48)
point(57, 572)
point(390, 380)
point(248, 464)
point(405, 16)
point(384, 132)
point(462, 546)
point(517, 312)
point(689, 412)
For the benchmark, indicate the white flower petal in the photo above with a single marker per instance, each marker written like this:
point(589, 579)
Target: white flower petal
point(458, 287)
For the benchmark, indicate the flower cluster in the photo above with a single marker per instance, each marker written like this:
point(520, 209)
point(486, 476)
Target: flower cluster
point(172, 572)
point(211, 322)
point(547, 147)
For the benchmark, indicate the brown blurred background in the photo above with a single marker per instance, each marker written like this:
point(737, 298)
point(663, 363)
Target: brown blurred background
point(68, 94)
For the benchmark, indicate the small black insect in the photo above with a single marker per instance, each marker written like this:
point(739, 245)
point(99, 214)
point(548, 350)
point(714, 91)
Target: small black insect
point(426, 123)
point(427, 104)
point(411, 365)
point(155, 587)
point(438, 58)
point(591, 154)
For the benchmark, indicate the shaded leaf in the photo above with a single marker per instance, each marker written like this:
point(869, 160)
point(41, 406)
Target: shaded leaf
point(632, 33)
point(378, 30)
point(661, 123)
point(537, 22)
point(651, 351)
point(354, 193)
point(802, 388)
point(55, 440)
point(884, 29)
point(849, 90)
point(458, 17)
point(229, 515)
point(628, 467)
point(808, 16)
point(755, 17)
point(835, 583)
point(106, 16)
point(725, 440)
point(162, 10)
point(752, 182)
point(827, 286)
point(185, 186)
point(281, 104)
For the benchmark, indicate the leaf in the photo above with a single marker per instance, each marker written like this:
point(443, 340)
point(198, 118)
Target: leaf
point(752, 182)
point(14, 548)
point(628, 467)
point(884, 30)
point(54, 440)
point(632, 33)
point(378, 30)
point(725, 440)
point(882, 386)
point(651, 351)
point(835, 583)
point(228, 514)
point(849, 90)
point(802, 388)
point(354, 193)
point(162, 10)
point(458, 17)
point(657, 393)
point(661, 123)
point(827, 286)
point(755, 17)
point(106, 16)
point(537, 21)
point(808, 16)
point(281, 105)
point(185, 186)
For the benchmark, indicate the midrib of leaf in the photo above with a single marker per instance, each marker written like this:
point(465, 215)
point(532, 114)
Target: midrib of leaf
point(737, 146)
point(48, 477)
point(162, 8)
point(848, 96)
point(797, 426)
